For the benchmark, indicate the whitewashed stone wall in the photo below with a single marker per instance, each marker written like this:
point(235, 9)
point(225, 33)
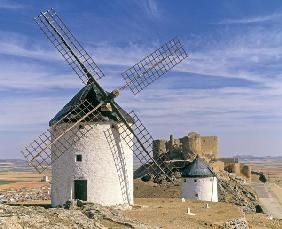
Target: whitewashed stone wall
point(109, 174)
point(200, 188)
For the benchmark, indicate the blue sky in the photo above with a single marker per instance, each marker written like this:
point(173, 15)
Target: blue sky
point(230, 86)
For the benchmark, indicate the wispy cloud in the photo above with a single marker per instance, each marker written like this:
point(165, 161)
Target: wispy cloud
point(150, 7)
point(9, 5)
point(252, 20)
point(249, 56)
point(21, 46)
point(153, 8)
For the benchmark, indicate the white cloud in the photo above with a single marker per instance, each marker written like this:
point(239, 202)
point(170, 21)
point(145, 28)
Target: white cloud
point(250, 56)
point(221, 60)
point(21, 46)
point(250, 20)
point(9, 5)
point(28, 73)
point(150, 7)
point(32, 76)
point(153, 8)
point(27, 114)
point(127, 56)
point(163, 107)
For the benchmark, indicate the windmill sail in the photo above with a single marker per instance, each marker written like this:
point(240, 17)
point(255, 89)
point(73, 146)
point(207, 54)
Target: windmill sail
point(55, 141)
point(141, 146)
point(64, 41)
point(154, 66)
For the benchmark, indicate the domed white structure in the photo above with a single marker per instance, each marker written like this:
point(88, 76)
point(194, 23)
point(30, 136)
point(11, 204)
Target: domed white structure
point(92, 170)
point(199, 181)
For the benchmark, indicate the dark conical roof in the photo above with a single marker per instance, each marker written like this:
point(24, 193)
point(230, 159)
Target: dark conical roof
point(198, 168)
point(93, 96)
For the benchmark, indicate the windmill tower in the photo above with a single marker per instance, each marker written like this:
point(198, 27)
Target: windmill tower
point(91, 170)
point(92, 141)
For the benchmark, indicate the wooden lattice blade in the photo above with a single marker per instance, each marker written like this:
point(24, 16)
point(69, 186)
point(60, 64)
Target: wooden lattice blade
point(64, 41)
point(142, 147)
point(61, 136)
point(154, 66)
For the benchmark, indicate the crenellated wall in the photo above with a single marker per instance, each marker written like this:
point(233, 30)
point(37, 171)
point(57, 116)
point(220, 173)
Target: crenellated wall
point(187, 147)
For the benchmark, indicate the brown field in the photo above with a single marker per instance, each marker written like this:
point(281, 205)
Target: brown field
point(270, 167)
point(168, 212)
point(277, 191)
point(171, 213)
point(21, 180)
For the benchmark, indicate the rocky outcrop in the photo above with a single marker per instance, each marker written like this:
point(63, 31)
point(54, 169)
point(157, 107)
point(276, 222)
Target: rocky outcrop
point(74, 215)
point(109, 215)
point(24, 194)
point(236, 224)
point(18, 217)
point(233, 189)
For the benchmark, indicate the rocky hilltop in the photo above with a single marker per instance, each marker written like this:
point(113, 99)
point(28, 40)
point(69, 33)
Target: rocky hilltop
point(154, 213)
point(74, 215)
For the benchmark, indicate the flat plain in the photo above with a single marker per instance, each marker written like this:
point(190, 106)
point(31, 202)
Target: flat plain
point(271, 167)
point(164, 212)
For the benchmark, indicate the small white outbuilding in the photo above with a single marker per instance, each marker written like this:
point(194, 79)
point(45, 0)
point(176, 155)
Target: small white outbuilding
point(199, 181)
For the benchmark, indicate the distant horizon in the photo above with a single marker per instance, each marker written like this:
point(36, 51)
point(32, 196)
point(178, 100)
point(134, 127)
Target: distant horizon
point(231, 156)
point(230, 86)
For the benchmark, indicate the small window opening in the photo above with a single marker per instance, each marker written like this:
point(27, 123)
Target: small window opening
point(195, 180)
point(196, 194)
point(184, 180)
point(114, 126)
point(78, 157)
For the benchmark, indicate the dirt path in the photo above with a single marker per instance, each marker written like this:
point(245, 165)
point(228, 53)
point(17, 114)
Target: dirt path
point(276, 190)
point(268, 199)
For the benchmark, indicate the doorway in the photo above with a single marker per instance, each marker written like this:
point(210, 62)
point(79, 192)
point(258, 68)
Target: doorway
point(80, 189)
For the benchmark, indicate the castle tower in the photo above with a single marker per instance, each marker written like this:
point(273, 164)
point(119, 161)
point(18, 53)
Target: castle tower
point(194, 143)
point(199, 181)
point(159, 148)
point(91, 170)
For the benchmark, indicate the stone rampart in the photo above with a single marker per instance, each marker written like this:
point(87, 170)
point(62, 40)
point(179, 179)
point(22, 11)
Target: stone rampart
point(187, 147)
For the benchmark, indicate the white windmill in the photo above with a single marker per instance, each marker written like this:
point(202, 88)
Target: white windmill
point(199, 181)
point(91, 141)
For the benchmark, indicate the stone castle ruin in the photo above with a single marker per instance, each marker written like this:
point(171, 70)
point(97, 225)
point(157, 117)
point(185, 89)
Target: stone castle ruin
point(187, 147)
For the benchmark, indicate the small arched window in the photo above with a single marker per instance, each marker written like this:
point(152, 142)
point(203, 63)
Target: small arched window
point(78, 157)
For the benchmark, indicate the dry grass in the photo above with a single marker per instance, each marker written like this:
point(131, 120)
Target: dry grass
point(171, 213)
point(21, 180)
point(262, 221)
point(277, 191)
point(271, 168)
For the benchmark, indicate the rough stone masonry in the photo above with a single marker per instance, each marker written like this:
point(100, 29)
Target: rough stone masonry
point(187, 147)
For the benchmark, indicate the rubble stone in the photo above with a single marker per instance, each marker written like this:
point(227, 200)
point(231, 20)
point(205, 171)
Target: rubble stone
point(24, 194)
point(236, 224)
point(234, 189)
point(79, 215)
